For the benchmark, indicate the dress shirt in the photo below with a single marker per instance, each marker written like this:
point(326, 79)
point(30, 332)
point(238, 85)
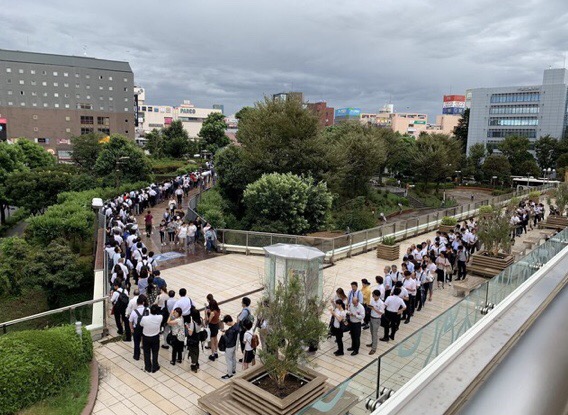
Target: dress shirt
point(356, 313)
point(377, 305)
point(185, 304)
point(151, 325)
point(394, 303)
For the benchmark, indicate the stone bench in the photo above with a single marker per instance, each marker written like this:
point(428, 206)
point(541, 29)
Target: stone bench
point(464, 287)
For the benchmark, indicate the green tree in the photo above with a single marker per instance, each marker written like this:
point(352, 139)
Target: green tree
point(497, 165)
point(12, 159)
point(516, 149)
point(546, 150)
point(437, 157)
point(35, 155)
point(400, 154)
point(36, 189)
point(176, 143)
point(358, 152)
point(15, 254)
point(212, 133)
point(242, 113)
point(462, 129)
point(529, 167)
point(294, 313)
point(155, 143)
point(279, 203)
point(282, 137)
point(474, 161)
point(233, 176)
point(121, 159)
point(86, 150)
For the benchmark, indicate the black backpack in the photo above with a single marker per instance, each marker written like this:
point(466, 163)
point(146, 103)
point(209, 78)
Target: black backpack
point(123, 299)
point(138, 328)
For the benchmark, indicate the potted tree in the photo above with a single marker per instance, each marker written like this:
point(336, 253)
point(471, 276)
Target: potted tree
point(494, 233)
point(447, 224)
point(560, 196)
point(282, 384)
point(388, 249)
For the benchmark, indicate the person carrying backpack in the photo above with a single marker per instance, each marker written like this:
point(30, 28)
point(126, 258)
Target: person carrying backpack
point(243, 316)
point(251, 343)
point(193, 340)
point(135, 317)
point(119, 300)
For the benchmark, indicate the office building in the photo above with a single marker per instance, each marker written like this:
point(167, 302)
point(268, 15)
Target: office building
point(325, 114)
point(161, 116)
point(284, 96)
point(50, 98)
point(529, 111)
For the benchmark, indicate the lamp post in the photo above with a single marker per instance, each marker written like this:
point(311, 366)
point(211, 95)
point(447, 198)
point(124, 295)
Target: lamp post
point(528, 180)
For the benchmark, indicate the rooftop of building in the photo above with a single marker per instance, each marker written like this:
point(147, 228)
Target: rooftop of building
point(63, 60)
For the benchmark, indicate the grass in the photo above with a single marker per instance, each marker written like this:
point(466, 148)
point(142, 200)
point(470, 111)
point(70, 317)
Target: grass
point(70, 401)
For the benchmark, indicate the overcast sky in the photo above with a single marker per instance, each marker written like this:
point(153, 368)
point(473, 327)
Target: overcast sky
point(348, 53)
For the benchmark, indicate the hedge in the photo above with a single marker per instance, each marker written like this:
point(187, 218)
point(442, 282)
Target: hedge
point(37, 363)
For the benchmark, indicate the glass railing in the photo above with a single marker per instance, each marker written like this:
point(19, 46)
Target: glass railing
point(399, 364)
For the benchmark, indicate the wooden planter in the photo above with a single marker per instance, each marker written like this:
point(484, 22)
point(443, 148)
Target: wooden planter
point(241, 396)
point(446, 228)
point(388, 252)
point(488, 266)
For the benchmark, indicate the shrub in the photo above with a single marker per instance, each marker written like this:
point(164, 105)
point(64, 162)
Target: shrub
point(449, 221)
point(534, 195)
point(37, 363)
point(389, 241)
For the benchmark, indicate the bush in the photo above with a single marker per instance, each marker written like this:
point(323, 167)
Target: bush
point(162, 166)
point(389, 241)
point(37, 363)
point(449, 221)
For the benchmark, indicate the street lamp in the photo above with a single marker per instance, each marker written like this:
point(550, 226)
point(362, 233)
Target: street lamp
point(528, 180)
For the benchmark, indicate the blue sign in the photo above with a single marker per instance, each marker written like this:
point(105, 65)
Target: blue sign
point(348, 112)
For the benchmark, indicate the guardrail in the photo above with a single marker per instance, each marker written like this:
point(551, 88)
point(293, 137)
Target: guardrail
point(346, 245)
point(371, 386)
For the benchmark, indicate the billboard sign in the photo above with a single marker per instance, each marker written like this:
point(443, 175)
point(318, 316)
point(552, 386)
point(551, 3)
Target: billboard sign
point(449, 98)
point(454, 104)
point(347, 112)
point(3, 131)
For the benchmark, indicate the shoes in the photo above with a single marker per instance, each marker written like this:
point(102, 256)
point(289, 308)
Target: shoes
point(338, 353)
point(165, 346)
point(406, 321)
point(179, 360)
point(126, 340)
point(418, 309)
point(350, 349)
point(370, 345)
point(365, 327)
point(240, 360)
point(226, 376)
point(136, 358)
point(212, 358)
point(354, 353)
point(384, 339)
point(372, 352)
point(391, 337)
point(155, 370)
point(234, 373)
point(120, 333)
point(172, 362)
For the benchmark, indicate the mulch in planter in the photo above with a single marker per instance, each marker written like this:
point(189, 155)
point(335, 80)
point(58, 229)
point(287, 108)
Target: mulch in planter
point(291, 384)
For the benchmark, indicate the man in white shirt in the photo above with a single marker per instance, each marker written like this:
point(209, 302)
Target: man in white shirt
point(185, 304)
point(380, 286)
point(394, 306)
point(132, 303)
point(389, 285)
point(135, 317)
point(356, 316)
point(410, 285)
point(377, 311)
point(151, 338)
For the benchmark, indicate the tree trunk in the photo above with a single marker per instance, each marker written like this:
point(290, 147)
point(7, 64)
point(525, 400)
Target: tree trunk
point(2, 212)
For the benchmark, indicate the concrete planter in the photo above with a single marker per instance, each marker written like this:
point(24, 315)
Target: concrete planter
point(446, 228)
point(242, 396)
point(489, 266)
point(388, 252)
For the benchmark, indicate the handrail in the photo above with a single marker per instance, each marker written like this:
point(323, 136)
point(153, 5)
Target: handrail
point(50, 312)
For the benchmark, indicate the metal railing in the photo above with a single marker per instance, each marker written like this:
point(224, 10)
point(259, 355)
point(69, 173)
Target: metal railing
point(392, 369)
point(353, 243)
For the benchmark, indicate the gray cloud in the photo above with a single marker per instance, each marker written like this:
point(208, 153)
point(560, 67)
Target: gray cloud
point(361, 53)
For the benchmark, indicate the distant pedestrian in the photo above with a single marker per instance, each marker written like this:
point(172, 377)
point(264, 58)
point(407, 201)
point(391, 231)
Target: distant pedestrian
point(148, 223)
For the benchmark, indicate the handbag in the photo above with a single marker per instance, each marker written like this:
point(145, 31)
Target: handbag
point(170, 338)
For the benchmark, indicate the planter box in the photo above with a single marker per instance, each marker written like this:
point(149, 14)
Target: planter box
point(446, 228)
point(241, 396)
point(488, 266)
point(388, 252)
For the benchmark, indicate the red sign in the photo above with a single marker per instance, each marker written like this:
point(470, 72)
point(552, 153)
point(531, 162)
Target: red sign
point(448, 98)
point(168, 120)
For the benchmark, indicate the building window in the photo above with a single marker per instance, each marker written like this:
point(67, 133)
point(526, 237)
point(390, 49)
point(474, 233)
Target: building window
point(22, 82)
point(110, 78)
point(66, 85)
point(42, 140)
point(103, 120)
point(87, 119)
point(68, 130)
point(9, 81)
point(36, 129)
point(110, 98)
point(23, 104)
point(85, 130)
point(88, 97)
point(513, 121)
point(104, 130)
point(20, 71)
point(34, 83)
point(10, 92)
point(125, 79)
point(67, 118)
point(34, 117)
point(56, 105)
point(100, 77)
point(126, 100)
point(44, 83)
point(22, 93)
point(101, 98)
point(76, 75)
point(126, 110)
point(55, 73)
point(65, 74)
point(45, 104)
point(32, 71)
point(77, 86)
point(88, 86)
point(45, 94)
point(66, 105)
point(100, 88)
point(125, 89)
point(55, 84)
point(9, 70)
point(102, 108)
point(44, 72)
point(10, 103)
point(56, 95)
point(77, 96)
point(34, 104)
point(87, 76)
point(66, 95)
point(34, 94)
point(110, 88)
point(83, 106)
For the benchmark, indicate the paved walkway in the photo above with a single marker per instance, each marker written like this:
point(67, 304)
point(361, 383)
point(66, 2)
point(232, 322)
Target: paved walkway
point(126, 389)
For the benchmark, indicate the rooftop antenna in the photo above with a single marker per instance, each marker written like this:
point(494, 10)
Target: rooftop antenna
point(85, 50)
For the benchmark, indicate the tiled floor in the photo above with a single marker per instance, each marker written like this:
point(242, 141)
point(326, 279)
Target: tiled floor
point(126, 389)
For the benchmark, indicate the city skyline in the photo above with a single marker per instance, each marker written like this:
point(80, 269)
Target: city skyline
point(349, 55)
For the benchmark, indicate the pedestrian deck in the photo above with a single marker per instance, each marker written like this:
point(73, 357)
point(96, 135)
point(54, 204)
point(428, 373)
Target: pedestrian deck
point(126, 389)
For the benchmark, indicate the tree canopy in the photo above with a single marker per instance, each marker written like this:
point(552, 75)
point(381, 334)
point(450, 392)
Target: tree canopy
point(35, 155)
point(546, 151)
point(86, 150)
point(516, 149)
point(120, 157)
point(462, 129)
point(212, 133)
